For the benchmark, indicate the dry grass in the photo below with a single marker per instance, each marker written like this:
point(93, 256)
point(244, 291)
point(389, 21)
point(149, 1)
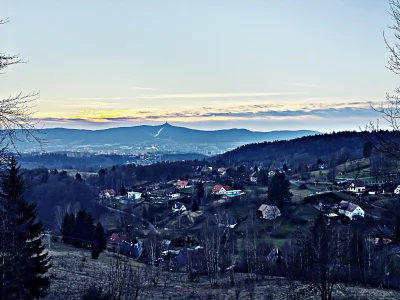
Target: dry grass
point(74, 270)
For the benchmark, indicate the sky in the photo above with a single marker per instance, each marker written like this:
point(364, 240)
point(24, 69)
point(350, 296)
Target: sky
point(204, 64)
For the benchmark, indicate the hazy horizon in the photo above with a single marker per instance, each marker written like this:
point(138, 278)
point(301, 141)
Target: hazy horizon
point(260, 65)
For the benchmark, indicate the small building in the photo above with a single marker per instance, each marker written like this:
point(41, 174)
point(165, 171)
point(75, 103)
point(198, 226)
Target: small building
point(106, 194)
point(397, 190)
point(231, 194)
point(172, 193)
point(134, 195)
point(269, 212)
point(178, 206)
point(350, 209)
point(222, 171)
point(357, 186)
point(220, 190)
point(228, 221)
point(254, 177)
point(182, 184)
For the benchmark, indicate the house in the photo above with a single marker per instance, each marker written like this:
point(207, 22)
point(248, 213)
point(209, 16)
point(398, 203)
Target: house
point(322, 166)
point(350, 209)
point(220, 190)
point(117, 238)
point(172, 193)
point(133, 249)
point(231, 194)
point(397, 190)
point(228, 221)
point(357, 186)
point(178, 206)
point(268, 212)
point(182, 184)
point(222, 171)
point(107, 194)
point(134, 195)
point(254, 177)
point(271, 173)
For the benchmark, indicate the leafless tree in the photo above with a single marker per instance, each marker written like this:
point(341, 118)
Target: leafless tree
point(211, 240)
point(153, 247)
point(16, 112)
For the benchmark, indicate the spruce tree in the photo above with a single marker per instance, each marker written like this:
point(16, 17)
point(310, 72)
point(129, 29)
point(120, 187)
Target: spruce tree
point(67, 227)
point(23, 261)
point(99, 237)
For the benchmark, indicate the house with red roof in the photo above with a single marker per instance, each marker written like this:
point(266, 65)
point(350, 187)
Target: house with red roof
point(220, 190)
point(182, 184)
point(107, 193)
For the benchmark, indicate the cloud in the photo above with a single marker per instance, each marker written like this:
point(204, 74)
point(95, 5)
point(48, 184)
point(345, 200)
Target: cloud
point(359, 110)
point(215, 95)
point(140, 88)
point(301, 84)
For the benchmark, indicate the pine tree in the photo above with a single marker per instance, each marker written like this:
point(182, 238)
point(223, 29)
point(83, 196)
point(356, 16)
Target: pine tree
point(23, 260)
point(123, 191)
point(99, 237)
point(67, 227)
point(279, 190)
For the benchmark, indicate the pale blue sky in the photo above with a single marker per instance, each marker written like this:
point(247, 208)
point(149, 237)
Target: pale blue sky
point(261, 65)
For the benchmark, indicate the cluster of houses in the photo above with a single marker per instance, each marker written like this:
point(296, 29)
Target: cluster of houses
point(344, 208)
point(360, 187)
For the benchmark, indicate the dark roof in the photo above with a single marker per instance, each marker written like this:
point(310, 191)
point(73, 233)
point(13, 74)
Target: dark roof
point(358, 183)
point(348, 206)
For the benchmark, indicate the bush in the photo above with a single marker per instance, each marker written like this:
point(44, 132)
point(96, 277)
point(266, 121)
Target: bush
point(95, 252)
point(303, 186)
point(298, 221)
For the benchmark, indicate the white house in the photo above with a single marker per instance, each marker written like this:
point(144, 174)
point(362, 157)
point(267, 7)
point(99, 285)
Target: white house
point(254, 177)
point(397, 190)
point(350, 209)
point(269, 212)
point(220, 190)
point(357, 187)
point(134, 195)
point(178, 206)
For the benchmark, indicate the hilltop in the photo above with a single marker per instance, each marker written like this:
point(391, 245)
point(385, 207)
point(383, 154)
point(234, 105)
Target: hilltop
point(165, 138)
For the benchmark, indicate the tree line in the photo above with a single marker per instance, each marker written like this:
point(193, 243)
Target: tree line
point(81, 232)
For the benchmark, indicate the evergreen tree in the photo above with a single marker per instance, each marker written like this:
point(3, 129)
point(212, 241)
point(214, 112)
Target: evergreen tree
point(279, 190)
point(78, 177)
point(83, 229)
point(123, 191)
point(367, 149)
point(195, 205)
point(67, 227)
point(99, 237)
point(23, 260)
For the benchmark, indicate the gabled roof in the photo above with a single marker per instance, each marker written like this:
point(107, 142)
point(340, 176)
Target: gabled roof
point(182, 183)
point(110, 191)
point(357, 183)
point(178, 205)
point(345, 205)
point(255, 174)
point(218, 187)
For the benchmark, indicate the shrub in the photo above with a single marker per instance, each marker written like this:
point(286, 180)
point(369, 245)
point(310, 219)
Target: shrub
point(299, 221)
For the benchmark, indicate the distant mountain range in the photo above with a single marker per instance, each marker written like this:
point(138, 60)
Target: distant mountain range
point(166, 135)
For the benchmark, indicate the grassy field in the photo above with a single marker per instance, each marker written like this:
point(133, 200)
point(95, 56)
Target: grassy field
point(74, 270)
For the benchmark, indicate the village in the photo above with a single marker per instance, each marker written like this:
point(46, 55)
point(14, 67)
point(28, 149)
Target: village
point(166, 219)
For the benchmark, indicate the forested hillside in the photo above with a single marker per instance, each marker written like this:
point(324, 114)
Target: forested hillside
point(347, 144)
